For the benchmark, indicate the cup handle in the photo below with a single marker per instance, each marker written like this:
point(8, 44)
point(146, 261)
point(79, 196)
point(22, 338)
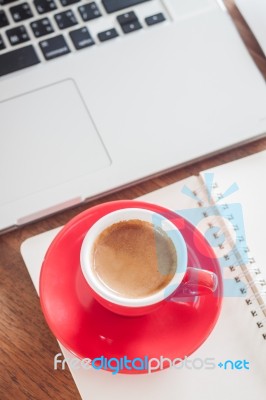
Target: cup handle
point(197, 282)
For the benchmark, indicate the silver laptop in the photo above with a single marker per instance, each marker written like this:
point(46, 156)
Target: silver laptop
point(97, 95)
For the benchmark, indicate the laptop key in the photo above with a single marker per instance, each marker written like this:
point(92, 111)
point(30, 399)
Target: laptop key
point(126, 18)
point(65, 19)
point(81, 38)
point(89, 11)
point(131, 27)
point(17, 35)
point(4, 2)
point(41, 27)
point(21, 12)
point(2, 44)
point(155, 19)
point(3, 19)
point(66, 3)
point(54, 47)
point(18, 59)
point(44, 6)
point(116, 5)
point(107, 35)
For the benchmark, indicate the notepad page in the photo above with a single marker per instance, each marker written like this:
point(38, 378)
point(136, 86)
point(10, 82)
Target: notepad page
point(249, 174)
point(234, 337)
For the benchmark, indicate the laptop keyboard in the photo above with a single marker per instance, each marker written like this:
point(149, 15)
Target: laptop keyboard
point(62, 27)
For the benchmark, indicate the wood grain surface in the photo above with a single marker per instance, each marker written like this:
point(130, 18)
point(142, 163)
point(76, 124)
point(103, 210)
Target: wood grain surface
point(27, 347)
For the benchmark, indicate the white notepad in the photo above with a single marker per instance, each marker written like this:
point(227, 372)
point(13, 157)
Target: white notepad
point(240, 333)
point(254, 12)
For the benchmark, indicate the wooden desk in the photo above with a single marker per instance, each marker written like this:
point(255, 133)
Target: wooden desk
point(27, 346)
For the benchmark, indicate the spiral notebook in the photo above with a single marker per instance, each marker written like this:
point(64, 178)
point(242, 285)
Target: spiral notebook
point(227, 204)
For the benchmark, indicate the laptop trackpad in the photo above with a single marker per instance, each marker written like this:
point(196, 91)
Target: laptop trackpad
point(56, 143)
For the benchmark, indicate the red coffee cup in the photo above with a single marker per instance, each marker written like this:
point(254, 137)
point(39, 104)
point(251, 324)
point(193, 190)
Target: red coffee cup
point(186, 282)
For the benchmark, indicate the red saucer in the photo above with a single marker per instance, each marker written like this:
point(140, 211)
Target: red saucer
point(89, 330)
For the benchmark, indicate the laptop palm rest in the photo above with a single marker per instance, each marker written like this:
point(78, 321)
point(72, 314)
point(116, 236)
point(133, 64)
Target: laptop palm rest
point(54, 125)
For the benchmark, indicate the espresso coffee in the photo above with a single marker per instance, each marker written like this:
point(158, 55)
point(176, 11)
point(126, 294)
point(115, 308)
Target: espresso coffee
point(134, 259)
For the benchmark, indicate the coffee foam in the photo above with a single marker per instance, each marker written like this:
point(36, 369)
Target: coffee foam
point(134, 259)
